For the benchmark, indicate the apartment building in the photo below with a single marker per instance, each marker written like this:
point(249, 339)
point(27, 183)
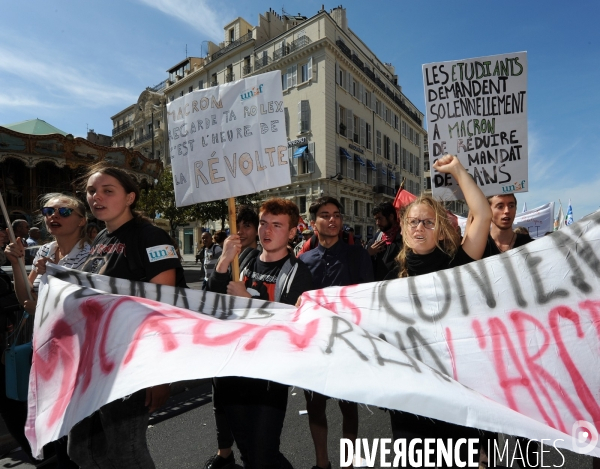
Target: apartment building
point(352, 133)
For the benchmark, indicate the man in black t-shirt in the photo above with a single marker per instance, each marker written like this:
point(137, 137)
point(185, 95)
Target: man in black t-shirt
point(387, 243)
point(255, 408)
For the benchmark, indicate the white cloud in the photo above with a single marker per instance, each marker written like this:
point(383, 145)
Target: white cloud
point(196, 13)
point(9, 101)
point(53, 80)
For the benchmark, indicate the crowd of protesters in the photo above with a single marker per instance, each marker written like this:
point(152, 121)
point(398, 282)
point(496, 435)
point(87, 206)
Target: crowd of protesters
point(277, 263)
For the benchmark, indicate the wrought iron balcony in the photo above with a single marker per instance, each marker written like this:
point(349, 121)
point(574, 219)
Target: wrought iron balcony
point(121, 128)
point(344, 48)
point(161, 86)
point(281, 52)
point(261, 62)
point(232, 45)
point(302, 41)
point(357, 61)
point(247, 69)
point(142, 139)
point(214, 83)
point(229, 77)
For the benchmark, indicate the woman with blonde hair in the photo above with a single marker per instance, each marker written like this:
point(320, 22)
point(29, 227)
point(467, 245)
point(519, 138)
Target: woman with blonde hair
point(432, 243)
point(64, 216)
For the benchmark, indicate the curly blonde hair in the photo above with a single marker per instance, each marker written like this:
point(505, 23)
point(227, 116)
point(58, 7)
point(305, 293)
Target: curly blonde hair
point(449, 242)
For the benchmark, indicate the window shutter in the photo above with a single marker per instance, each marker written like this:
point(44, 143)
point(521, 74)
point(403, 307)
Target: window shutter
point(284, 79)
point(363, 174)
point(417, 163)
point(289, 77)
point(338, 162)
point(337, 74)
point(337, 118)
point(309, 68)
point(348, 81)
point(293, 164)
point(361, 93)
point(286, 113)
point(349, 123)
point(295, 75)
point(299, 116)
point(350, 169)
point(310, 155)
point(369, 138)
point(362, 132)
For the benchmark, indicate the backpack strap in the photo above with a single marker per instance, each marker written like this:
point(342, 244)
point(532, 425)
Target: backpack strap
point(285, 278)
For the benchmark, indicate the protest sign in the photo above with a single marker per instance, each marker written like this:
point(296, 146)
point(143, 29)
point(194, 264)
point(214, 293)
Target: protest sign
point(228, 140)
point(477, 110)
point(505, 344)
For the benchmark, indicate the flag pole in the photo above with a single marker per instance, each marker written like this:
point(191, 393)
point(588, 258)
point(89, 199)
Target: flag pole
point(11, 235)
point(235, 265)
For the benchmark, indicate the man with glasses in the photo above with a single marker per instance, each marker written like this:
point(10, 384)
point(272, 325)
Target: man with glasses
point(332, 263)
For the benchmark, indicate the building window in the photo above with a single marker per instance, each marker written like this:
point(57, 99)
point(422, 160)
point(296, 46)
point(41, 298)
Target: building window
point(214, 81)
point(302, 158)
point(411, 163)
point(231, 35)
point(426, 165)
point(396, 154)
point(378, 142)
point(369, 143)
point(200, 84)
point(303, 116)
point(341, 120)
point(356, 129)
point(292, 76)
point(306, 71)
point(190, 89)
point(417, 164)
point(386, 147)
point(404, 163)
point(302, 204)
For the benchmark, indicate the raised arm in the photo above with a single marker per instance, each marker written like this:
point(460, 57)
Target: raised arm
point(476, 233)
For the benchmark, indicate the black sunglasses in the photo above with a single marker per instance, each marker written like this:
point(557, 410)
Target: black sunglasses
point(62, 211)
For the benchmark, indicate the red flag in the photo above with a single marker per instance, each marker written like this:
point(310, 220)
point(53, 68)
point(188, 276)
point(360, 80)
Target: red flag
point(302, 225)
point(403, 198)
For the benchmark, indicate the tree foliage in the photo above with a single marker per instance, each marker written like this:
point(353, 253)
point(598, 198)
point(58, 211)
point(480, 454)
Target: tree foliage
point(161, 200)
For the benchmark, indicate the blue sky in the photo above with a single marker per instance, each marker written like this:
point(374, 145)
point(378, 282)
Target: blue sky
point(75, 64)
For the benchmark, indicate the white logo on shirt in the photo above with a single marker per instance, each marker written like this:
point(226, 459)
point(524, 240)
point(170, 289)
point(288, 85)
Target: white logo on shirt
point(159, 253)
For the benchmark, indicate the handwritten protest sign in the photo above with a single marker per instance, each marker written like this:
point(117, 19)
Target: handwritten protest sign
point(506, 344)
point(228, 140)
point(477, 110)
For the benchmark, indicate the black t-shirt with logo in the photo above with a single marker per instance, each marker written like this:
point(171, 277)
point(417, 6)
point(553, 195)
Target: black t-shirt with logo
point(260, 278)
point(137, 250)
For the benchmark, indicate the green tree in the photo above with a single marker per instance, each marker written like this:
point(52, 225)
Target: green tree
point(161, 200)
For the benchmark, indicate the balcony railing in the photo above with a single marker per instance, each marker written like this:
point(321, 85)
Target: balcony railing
point(229, 77)
point(344, 48)
point(161, 86)
point(301, 42)
point(232, 45)
point(261, 62)
point(143, 138)
point(357, 61)
point(214, 83)
point(247, 69)
point(281, 52)
point(121, 128)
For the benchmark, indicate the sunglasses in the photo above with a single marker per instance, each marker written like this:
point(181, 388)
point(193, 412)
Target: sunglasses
point(62, 211)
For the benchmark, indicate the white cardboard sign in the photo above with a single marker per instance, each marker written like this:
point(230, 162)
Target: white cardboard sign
point(477, 110)
point(228, 140)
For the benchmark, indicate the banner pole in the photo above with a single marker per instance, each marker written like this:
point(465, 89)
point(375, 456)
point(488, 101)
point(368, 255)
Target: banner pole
point(11, 235)
point(235, 265)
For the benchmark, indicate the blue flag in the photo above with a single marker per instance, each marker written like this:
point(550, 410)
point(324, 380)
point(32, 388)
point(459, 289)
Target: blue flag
point(569, 218)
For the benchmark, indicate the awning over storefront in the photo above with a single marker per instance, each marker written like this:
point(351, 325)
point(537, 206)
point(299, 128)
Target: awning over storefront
point(359, 159)
point(372, 165)
point(345, 153)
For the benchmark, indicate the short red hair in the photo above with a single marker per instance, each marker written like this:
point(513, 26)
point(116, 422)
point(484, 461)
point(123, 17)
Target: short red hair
point(277, 206)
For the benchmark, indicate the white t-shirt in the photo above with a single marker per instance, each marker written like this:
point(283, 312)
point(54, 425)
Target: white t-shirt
point(73, 260)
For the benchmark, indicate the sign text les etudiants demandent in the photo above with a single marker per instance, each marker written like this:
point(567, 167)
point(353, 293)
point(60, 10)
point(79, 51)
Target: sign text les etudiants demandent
point(477, 110)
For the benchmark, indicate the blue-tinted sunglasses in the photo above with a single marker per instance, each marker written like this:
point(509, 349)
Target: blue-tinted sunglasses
point(62, 211)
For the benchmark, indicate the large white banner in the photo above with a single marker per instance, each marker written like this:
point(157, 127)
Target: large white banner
point(507, 344)
point(538, 221)
point(228, 140)
point(477, 110)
